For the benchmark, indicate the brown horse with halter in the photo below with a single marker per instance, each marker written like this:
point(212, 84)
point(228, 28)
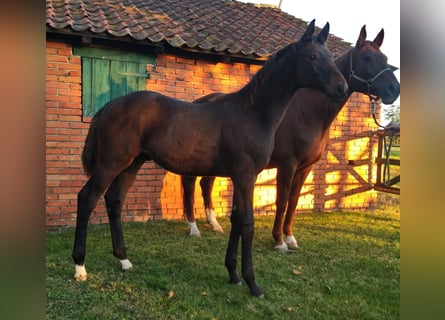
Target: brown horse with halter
point(303, 134)
point(232, 137)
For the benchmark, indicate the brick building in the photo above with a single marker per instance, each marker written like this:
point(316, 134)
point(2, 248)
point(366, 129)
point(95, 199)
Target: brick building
point(96, 51)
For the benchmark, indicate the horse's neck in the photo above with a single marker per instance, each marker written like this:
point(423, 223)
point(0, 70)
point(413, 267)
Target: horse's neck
point(317, 109)
point(343, 64)
point(269, 93)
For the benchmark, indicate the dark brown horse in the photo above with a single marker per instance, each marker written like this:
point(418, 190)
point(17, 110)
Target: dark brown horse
point(303, 134)
point(233, 137)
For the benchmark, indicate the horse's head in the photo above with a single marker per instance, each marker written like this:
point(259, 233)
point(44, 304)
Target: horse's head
point(315, 66)
point(370, 71)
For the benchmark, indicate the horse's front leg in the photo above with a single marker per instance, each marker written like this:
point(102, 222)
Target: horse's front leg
point(246, 252)
point(232, 248)
point(206, 184)
point(244, 203)
point(188, 200)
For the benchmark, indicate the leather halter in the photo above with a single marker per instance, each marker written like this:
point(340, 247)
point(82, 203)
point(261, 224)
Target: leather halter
point(369, 82)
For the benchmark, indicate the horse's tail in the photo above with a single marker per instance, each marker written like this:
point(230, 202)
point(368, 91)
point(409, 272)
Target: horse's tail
point(89, 150)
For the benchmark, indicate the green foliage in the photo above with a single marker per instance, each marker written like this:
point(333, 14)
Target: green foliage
point(393, 114)
point(347, 267)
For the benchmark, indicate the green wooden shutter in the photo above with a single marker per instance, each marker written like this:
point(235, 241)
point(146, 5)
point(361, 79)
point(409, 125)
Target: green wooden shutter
point(107, 74)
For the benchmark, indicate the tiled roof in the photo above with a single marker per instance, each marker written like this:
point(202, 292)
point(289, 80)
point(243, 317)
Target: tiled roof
point(213, 26)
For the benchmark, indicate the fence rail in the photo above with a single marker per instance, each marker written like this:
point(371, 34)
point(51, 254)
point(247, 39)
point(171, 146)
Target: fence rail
point(388, 162)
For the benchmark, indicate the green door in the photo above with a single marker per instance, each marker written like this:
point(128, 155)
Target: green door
point(107, 74)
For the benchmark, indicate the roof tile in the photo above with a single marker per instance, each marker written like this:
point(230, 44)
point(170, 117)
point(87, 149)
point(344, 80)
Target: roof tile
point(222, 26)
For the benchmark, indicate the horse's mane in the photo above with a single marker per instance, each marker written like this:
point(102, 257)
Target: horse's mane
point(252, 87)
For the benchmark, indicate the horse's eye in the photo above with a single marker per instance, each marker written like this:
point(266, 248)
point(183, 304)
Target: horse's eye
point(367, 58)
point(312, 57)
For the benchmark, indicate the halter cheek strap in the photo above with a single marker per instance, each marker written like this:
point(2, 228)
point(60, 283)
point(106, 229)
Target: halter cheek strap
point(369, 82)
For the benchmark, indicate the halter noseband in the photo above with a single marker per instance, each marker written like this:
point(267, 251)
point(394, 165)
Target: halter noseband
point(369, 82)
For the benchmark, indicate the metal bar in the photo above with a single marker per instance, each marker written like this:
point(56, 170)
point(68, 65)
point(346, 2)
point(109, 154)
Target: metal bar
point(379, 166)
point(135, 74)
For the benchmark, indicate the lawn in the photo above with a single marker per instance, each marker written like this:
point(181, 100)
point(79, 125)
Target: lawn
point(347, 267)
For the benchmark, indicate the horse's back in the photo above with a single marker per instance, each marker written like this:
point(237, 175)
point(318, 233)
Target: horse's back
point(178, 135)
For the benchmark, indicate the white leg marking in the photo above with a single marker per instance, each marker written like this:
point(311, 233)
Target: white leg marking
point(194, 231)
point(211, 218)
point(126, 264)
point(291, 242)
point(281, 247)
point(81, 273)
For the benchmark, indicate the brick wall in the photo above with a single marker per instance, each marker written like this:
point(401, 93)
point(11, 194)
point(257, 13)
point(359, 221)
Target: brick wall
point(156, 194)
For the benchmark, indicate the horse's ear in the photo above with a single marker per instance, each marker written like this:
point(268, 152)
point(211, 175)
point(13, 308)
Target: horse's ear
point(362, 37)
point(307, 36)
point(324, 33)
point(379, 38)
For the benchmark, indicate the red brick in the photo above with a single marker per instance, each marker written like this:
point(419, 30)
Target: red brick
point(57, 58)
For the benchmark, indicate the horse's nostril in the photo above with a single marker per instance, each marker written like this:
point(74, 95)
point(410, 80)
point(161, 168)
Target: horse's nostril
point(340, 89)
point(393, 89)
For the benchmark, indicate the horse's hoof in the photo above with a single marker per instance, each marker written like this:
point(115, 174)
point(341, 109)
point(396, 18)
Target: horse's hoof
point(82, 277)
point(194, 231)
point(211, 219)
point(293, 245)
point(126, 264)
point(81, 273)
point(256, 291)
point(217, 228)
point(236, 283)
point(282, 247)
point(291, 242)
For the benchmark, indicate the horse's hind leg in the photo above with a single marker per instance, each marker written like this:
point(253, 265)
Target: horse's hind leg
point(206, 184)
point(114, 199)
point(86, 201)
point(188, 199)
point(294, 195)
point(284, 178)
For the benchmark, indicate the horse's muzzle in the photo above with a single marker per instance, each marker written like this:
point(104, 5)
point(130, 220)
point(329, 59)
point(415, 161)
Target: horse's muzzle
point(392, 92)
point(340, 91)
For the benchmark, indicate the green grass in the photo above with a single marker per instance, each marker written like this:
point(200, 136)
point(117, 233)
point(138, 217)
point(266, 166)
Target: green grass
point(347, 267)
